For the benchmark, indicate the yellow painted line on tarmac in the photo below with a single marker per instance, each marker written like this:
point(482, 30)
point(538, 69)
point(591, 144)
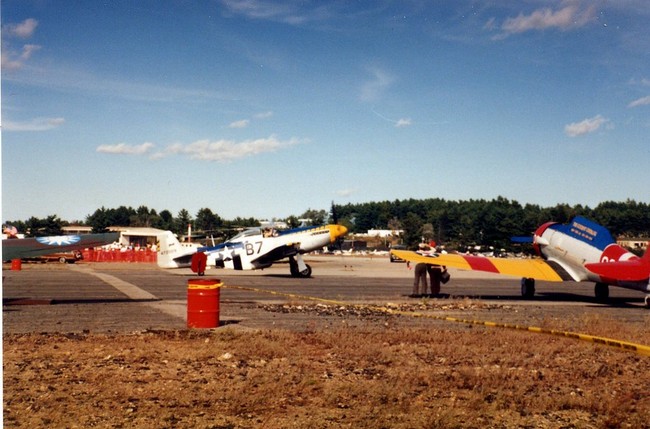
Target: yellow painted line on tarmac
point(622, 345)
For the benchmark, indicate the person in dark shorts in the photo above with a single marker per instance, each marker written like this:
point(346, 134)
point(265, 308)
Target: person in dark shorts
point(420, 281)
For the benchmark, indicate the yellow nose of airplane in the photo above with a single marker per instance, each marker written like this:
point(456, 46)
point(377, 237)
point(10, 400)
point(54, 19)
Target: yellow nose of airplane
point(336, 231)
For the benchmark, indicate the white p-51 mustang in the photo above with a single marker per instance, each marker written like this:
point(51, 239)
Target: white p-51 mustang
point(252, 249)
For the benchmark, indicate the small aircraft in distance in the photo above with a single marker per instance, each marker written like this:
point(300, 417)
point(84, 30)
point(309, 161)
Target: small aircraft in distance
point(252, 249)
point(18, 248)
point(578, 251)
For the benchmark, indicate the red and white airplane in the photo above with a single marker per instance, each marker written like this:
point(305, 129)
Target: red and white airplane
point(578, 251)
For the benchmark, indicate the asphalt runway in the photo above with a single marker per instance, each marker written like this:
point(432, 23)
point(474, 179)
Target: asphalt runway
point(119, 298)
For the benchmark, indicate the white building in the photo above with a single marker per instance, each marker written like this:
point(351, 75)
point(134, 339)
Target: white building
point(384, 233)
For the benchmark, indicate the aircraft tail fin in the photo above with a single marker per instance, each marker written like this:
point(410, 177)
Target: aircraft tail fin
point(171, 252)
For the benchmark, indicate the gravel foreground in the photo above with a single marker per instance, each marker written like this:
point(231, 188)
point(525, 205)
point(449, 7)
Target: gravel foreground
point(360, 377)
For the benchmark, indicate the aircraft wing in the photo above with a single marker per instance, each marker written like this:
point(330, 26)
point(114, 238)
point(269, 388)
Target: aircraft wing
point(276, 254)
point(17, 248)
point(531, 268)
point(634, 271)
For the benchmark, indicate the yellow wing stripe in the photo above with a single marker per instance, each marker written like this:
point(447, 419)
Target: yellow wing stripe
point(531, 268)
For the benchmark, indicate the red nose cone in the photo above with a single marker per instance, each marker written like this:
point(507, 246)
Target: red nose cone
point(538, 233)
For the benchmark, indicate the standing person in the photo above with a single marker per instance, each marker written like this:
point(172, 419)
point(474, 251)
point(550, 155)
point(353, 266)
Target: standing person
point(435, 274)
point(420, 281)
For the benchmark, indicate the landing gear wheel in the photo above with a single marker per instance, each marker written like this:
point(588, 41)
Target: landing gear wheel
point(601, 290)
point(647, 301)
point(306, 272)
point(293, 267)
point(527, 288)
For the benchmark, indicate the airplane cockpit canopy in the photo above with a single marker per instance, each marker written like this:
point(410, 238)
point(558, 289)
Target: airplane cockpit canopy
point(247, 233)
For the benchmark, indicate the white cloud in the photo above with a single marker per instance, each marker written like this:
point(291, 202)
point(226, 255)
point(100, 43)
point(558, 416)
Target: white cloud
point(76, 80)
point(400, 123)
point(403, 122)
point(570, 16)
point(373, 88)
point(264, 115)
point(36, 124)
point(228, 150)
point(258, 9)
point(345, 192)
point(641, 82)
point(23, 30)
point(125, 149)
point(204, 150)
point(643, 101)
point(239, 124)
point(13, 59)
point(243, 123)
point(292, 13)
point(585, 127)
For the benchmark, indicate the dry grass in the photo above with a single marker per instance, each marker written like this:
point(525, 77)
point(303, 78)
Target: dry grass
point(405, 378)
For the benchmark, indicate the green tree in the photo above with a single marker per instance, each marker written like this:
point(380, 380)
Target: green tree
point(99, 220)
point(166, 221)
point(207, 221)
point(51, 225)
point(144, 217)
point(334, 216)
point(240, 222)
point(183, 219)
point(120, 216)
point(317, 217)
point(412, 230)
point(292, 222)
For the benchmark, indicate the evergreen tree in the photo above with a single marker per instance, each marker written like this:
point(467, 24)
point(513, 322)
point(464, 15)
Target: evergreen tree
point(412, 230)
point(207, 221)
point(183, 219)
point(51, 225)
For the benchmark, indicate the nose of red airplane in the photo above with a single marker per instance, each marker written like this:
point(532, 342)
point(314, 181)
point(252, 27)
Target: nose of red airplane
point(337, 231)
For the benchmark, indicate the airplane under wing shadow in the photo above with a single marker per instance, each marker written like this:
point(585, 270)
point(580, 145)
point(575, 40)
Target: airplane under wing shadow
point(18, 248)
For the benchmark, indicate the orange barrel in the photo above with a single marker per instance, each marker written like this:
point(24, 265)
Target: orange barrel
point(203, 303)
point(16, 264)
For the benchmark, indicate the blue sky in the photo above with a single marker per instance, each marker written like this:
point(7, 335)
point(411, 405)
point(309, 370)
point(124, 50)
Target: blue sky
point(269, 108)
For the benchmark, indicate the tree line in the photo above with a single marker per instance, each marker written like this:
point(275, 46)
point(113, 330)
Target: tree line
point(205, 221)
point(482, 222)
point(453, 223)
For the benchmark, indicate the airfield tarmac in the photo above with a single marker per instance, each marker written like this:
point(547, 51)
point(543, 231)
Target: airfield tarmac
point(123, 298)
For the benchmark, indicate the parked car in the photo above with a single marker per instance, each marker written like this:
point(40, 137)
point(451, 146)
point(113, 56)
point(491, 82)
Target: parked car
point(394, 258)
point(63, 257)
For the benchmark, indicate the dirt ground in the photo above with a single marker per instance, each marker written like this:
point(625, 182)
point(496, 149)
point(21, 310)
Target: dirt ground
point(367, 377)
point(365, 370)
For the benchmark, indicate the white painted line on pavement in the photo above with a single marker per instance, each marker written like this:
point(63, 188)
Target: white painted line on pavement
point(173, 308)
